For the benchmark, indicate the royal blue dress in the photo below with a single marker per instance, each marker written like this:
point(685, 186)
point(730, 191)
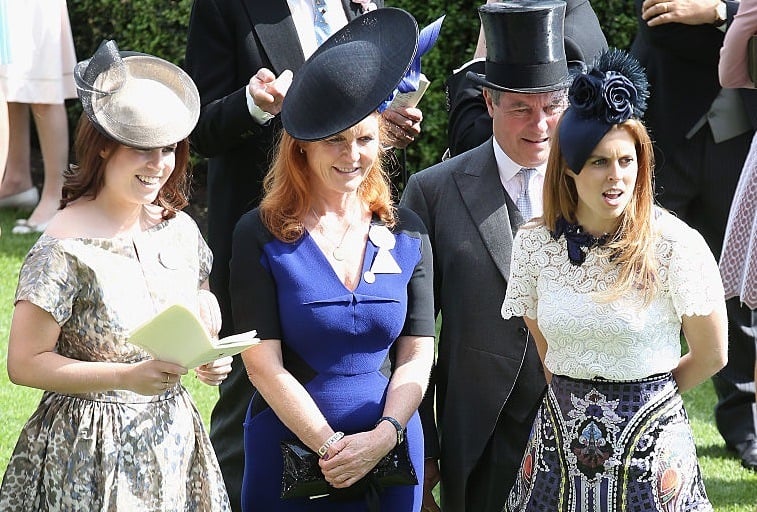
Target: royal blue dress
point(336, 342)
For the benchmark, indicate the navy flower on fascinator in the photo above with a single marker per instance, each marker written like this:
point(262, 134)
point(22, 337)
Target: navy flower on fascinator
point(613, 91)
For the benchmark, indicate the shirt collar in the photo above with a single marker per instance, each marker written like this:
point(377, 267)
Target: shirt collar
point(507, 168)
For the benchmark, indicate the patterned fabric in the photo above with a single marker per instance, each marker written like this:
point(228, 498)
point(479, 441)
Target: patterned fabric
point(610, 446)
point(618, 340)
point(320, 25)
point(738, 260)
point(115, 450)
point(524, 199)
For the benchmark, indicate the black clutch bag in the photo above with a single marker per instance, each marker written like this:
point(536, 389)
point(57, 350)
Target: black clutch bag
point(302, 476)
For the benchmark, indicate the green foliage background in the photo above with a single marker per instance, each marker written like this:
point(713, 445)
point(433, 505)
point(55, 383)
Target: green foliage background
point(159, 27)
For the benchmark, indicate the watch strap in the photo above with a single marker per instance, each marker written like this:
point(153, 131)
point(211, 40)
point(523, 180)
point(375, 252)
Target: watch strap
point(397, 426)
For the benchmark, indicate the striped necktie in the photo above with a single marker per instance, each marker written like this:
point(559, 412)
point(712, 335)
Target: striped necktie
point(321, 26)
point(524, 201)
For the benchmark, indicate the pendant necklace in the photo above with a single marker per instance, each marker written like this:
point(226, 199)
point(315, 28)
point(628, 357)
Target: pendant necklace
point(338, 252)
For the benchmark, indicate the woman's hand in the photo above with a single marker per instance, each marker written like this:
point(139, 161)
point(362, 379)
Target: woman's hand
point(152, 377)
point(210, 312)
point(351, 458)
point(214, 372)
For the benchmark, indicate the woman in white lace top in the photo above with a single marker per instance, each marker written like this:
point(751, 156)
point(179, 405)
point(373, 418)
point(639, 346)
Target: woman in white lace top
point(606, 281)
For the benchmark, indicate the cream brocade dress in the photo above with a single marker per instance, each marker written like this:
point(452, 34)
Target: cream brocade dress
point(116, 450)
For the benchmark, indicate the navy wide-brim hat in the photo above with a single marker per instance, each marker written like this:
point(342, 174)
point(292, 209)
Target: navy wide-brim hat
point(525, 48)
point(350, 74)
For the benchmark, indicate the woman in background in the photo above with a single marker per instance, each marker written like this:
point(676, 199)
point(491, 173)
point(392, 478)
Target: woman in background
point(738, 263)
point(37, 80)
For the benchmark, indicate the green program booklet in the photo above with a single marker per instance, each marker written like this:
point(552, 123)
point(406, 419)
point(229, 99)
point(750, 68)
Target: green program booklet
point(176, 335)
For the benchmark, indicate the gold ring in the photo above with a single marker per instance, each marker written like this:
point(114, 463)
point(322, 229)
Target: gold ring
point(665, 6)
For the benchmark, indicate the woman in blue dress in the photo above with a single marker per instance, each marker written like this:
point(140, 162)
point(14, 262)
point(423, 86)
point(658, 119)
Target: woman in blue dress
point(335, 279)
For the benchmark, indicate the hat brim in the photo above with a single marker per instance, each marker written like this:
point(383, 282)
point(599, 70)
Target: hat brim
point(336, 89)
point(481, 80)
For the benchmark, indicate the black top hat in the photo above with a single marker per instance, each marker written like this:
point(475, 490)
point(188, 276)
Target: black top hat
point(350, 74)
point(137, 99)
point(525, 51)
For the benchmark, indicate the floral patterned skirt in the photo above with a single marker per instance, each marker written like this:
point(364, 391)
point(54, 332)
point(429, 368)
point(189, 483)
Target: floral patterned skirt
point(600, 445)
point(111, 452)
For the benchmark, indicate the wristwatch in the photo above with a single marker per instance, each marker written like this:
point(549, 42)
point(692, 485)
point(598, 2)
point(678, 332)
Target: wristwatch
point(400, 429)
point(721, 14)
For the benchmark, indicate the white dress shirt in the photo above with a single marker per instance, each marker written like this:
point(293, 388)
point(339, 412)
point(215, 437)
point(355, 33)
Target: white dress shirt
point(303, 15)
point(513, 182)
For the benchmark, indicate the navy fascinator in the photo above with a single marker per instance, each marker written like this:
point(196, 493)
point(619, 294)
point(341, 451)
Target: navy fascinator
point(613, 91)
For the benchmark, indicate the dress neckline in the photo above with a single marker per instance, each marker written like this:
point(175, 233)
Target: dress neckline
point(579, 241)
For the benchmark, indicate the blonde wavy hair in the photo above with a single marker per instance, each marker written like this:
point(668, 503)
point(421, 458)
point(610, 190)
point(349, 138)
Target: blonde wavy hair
point(286, 197)
point(633, 244)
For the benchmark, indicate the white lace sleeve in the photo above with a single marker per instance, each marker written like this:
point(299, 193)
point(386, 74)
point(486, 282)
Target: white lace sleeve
point(521, 297)
point(694, 279)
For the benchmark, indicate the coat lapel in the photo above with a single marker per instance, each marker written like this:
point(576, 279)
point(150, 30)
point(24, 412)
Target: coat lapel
point(491, 209)
point(272, 22)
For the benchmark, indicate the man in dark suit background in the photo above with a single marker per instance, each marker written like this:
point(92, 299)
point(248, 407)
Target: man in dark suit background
point(703, 134)
point(469, 121)
point(238, 53)
point(488, 378)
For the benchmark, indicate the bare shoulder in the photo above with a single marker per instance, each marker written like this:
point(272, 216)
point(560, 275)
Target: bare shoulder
point(70, 222)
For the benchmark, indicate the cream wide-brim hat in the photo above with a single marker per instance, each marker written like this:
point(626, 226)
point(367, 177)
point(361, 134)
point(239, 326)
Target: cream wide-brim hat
point(136, 99)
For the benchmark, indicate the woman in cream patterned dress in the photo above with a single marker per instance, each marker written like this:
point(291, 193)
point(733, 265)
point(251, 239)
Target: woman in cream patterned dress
point(606, 282)
point(115, 430)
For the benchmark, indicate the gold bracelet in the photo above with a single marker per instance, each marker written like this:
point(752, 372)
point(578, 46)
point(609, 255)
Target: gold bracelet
point(331, 440)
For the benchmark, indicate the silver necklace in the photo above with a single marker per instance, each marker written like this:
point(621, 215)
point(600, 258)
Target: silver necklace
point(338, 252)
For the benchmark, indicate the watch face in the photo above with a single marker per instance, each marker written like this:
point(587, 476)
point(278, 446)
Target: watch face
point(721, 14)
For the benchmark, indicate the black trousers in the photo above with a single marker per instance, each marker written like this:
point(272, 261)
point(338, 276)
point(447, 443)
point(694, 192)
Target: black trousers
point(697, 180)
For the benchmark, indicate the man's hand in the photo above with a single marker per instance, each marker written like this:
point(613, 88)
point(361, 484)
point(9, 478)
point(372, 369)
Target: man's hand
point(688, 12)
point(268, 91)
point(403, 125)
point(431, 477)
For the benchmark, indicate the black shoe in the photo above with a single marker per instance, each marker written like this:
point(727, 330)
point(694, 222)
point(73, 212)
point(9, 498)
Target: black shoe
point(747, 452)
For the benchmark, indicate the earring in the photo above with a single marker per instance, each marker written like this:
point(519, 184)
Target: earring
point(302, 151)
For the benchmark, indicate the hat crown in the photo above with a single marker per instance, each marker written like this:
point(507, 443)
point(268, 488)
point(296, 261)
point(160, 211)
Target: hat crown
point(349, 82)
point(525, 48)
point(512, 28)
point(136, 99)
point(350, 74)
